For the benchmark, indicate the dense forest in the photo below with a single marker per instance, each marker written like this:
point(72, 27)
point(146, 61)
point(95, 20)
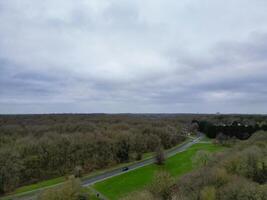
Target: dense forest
point(239, 173)
point(224, 131)
point(39, 147)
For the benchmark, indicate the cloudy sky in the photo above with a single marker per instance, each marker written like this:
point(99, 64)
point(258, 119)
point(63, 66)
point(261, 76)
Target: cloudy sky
point(117, 56)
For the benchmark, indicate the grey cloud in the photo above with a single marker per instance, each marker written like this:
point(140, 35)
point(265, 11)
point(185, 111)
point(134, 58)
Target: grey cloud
point(117, 56)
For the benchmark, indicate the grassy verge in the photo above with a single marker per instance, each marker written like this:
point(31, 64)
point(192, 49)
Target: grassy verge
point(39, 185)
point(33, 188)
point(177, 165)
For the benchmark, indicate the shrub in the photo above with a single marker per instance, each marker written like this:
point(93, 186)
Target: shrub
point(201, 158)
point(208, 193)
point(161, 185)
point(219, 177)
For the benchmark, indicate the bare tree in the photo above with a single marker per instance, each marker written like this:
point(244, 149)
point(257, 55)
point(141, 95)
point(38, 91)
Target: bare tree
point(160, 156)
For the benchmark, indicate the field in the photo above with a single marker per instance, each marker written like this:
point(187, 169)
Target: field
point(177, 165)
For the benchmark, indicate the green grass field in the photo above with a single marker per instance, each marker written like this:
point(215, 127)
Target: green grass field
point(177, 165)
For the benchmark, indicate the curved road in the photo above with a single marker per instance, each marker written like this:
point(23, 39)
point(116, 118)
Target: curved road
point(119, 171)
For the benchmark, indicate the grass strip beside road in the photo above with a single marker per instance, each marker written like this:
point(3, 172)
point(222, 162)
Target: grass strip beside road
point(39, 185)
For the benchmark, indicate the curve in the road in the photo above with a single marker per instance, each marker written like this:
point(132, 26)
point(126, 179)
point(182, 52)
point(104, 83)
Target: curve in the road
point(119, 171)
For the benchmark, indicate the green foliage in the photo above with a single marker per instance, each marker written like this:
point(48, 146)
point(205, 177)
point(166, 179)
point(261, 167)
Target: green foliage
point(237, 129)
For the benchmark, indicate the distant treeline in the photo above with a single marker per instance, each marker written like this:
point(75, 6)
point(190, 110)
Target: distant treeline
point(235, 129)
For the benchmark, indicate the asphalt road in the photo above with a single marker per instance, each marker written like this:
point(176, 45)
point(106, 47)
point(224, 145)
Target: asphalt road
point(119, 171)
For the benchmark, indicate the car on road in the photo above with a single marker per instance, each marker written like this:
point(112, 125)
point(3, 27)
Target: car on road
point(125, 169)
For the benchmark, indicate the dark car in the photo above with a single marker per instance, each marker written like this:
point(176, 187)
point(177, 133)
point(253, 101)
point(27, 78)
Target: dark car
point(125, 169)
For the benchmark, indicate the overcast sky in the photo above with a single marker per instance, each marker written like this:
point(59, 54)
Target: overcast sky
point(137, 56)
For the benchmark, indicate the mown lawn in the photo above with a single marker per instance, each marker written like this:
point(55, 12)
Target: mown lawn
point(177, 165)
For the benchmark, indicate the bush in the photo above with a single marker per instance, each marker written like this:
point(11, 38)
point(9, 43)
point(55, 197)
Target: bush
point(219, 177)
point(161, 185)
point(208, 193)
point(201, 158)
